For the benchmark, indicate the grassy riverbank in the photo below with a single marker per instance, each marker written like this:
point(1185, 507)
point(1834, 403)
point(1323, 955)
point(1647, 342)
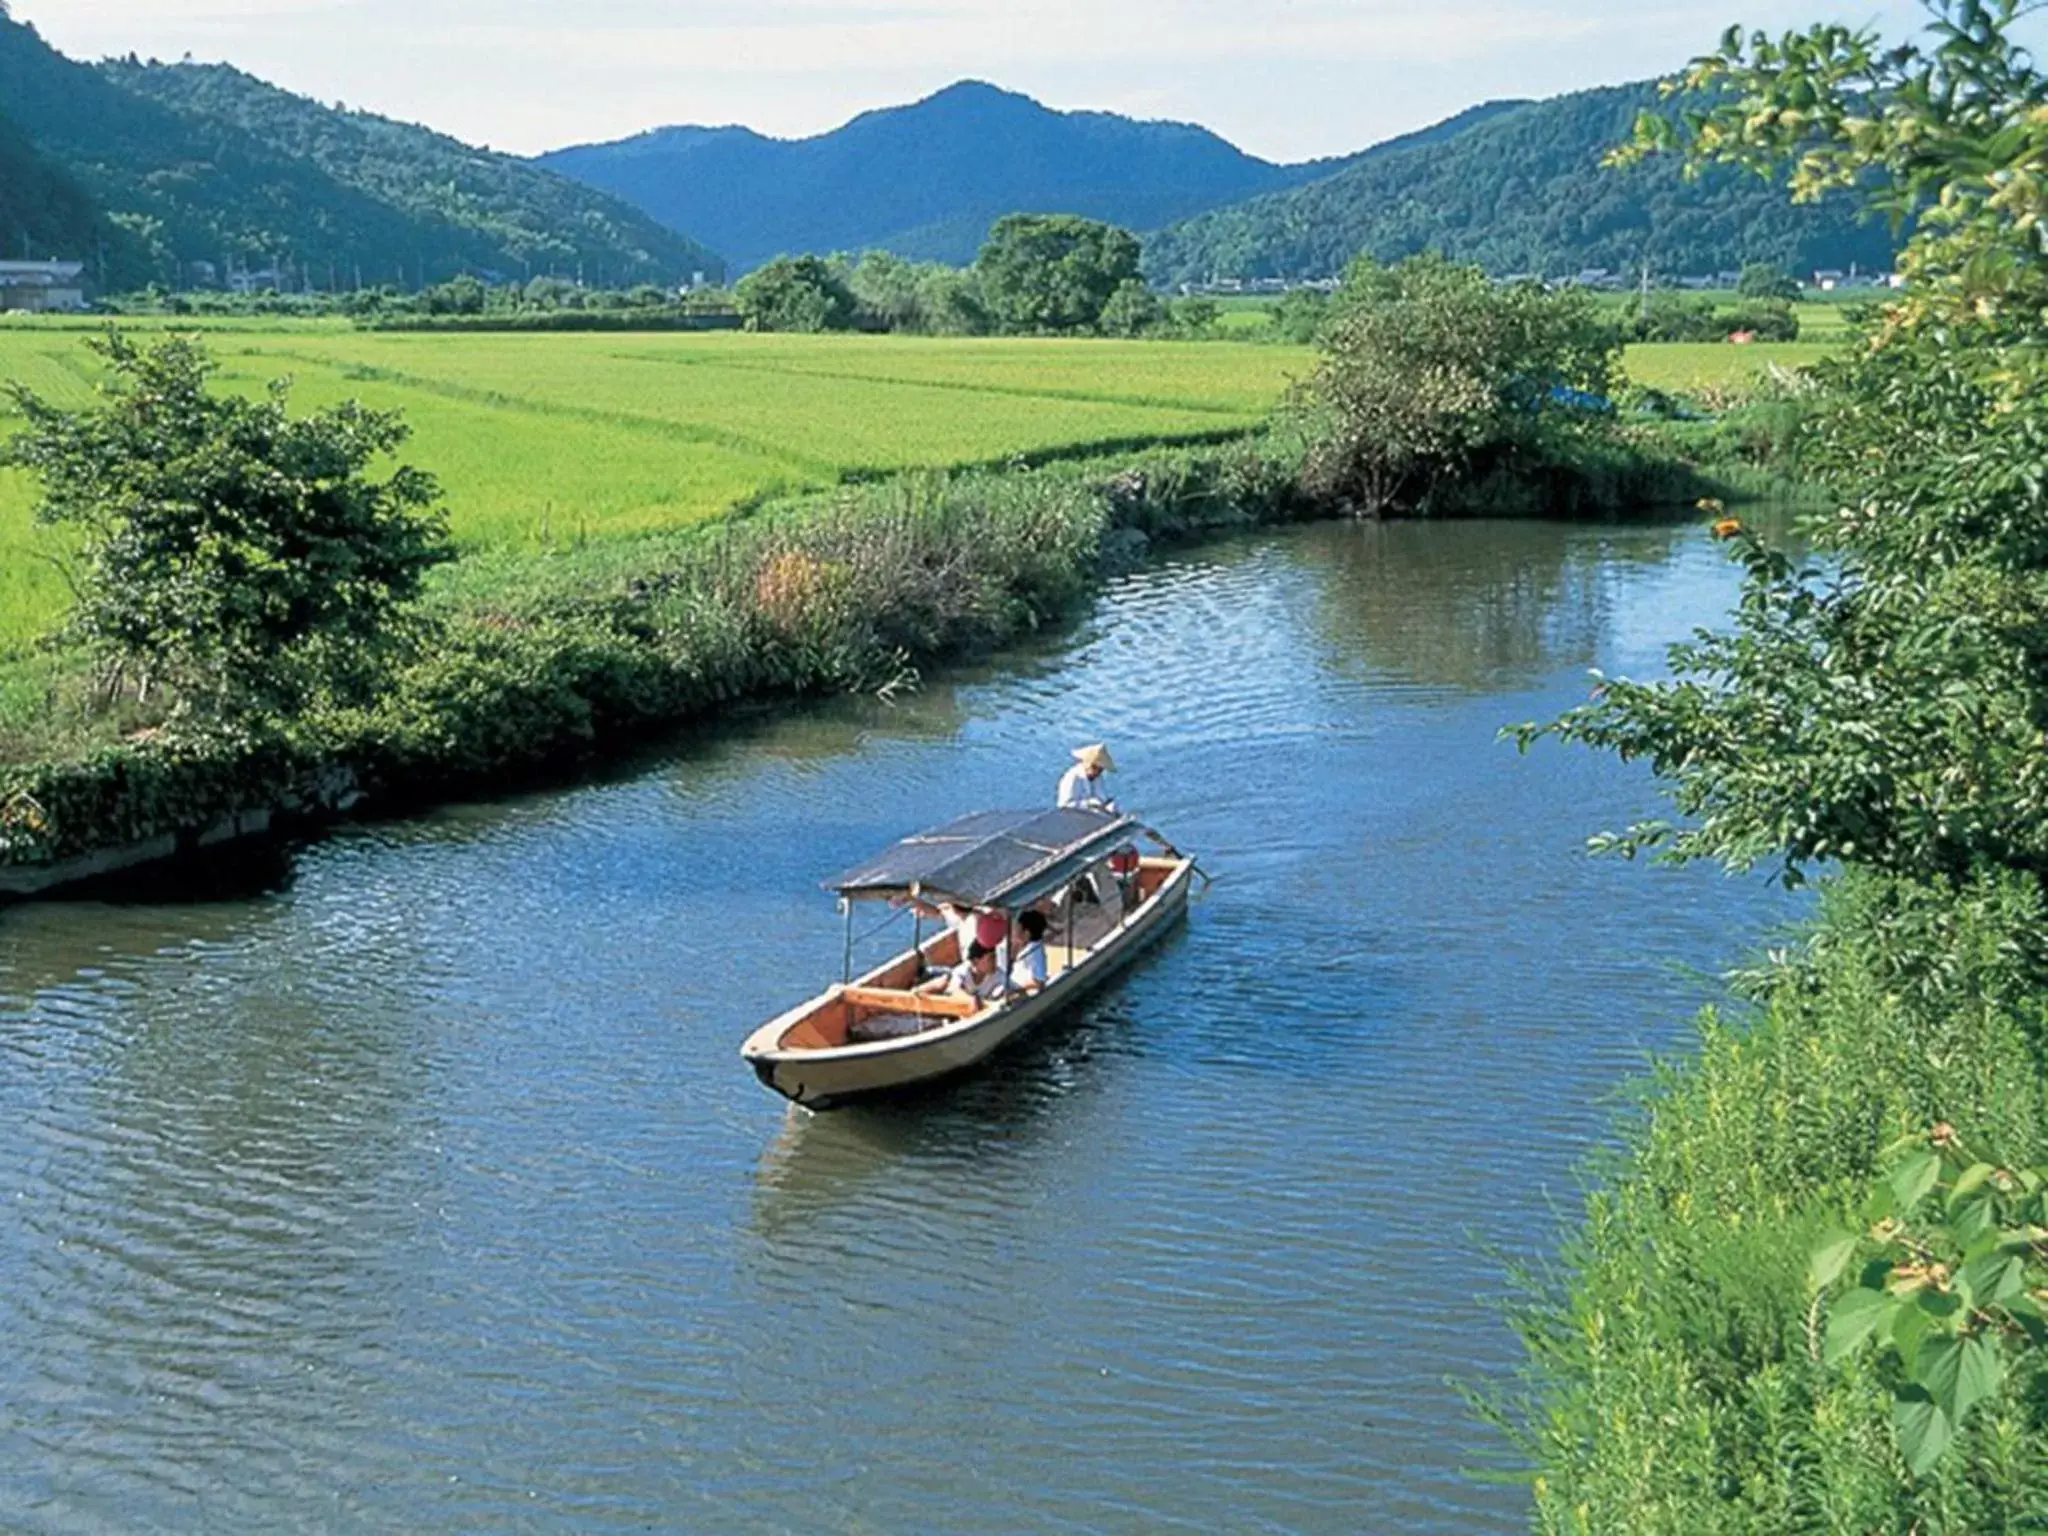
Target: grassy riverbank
point(1677, 1379)
point(650, 527)
point(555, 442)
point(538, 663)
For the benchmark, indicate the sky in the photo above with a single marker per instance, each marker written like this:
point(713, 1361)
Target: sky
point(1284, 79)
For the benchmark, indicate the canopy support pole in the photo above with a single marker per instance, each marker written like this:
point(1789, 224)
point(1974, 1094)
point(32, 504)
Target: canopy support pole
point(846, 961)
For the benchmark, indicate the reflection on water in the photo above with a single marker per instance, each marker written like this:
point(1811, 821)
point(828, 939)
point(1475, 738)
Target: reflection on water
point(417, 1183)
point(1485, 614)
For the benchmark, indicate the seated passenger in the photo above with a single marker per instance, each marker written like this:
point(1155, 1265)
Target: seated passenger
point(1124, 864)
point(976, 927)
point(977, 976)
point(1029, 972)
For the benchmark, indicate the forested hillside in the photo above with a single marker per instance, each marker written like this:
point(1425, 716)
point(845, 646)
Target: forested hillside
point(206, 164)
point(44, 213)
point(924, 181)
point(1521, 191)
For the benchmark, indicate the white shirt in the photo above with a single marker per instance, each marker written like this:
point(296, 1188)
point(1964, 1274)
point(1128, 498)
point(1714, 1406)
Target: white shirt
point(1030, 969)
point(982, 988)
point(1078, 790)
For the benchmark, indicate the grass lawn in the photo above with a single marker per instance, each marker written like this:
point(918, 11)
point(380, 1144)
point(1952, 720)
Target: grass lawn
point(553, 439)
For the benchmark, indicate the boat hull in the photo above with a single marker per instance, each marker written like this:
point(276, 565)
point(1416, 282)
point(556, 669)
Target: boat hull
point(823, 1079)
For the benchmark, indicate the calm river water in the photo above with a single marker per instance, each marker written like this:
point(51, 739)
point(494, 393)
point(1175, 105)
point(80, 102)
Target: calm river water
point(422, 1187)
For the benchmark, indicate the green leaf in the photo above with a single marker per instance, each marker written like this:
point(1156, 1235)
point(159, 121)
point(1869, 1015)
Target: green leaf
point(1968, 1183)
point(1913, 1178)
point(1937, 1371)
point(1940, 1305)
point(1976, 1218)
point(1907, 1330)
point(1982, 1373)
point(2028, 1313)
point(1958, 1373)
point(1995, 1278)
point(1831, 1258)
point(1851, 1319)
point(1924, 1430)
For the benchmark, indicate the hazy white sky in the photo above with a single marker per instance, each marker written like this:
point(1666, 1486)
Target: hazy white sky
point(1287, 79)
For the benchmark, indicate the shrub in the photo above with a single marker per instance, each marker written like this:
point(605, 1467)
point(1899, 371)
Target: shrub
point(241, 557)
point(795, 293)
point(1430, 371)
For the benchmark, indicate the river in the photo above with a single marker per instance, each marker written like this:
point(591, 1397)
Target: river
point(412, 1180)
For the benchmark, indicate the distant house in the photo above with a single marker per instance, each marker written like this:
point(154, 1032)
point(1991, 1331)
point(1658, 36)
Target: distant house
point(42, 287)
point(1828, 279)
point(263, 280)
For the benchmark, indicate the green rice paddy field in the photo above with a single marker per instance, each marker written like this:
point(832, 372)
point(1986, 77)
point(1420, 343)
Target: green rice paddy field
point(543, 440)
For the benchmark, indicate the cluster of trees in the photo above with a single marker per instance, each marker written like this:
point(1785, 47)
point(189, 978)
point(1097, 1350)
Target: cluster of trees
point(1037, 275)
point(1523, 191)
point(1666, 316)
point(1877, 708)
point(463, 297)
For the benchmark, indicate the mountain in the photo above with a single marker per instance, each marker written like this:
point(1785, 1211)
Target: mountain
point(1521, 190)
point(924, 180)
point(205, 163)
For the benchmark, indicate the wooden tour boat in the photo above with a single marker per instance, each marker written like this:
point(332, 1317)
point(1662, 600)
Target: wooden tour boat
point(874, 1033)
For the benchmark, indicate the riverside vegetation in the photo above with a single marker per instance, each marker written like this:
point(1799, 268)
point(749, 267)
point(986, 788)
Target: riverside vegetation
point(1811, 1293)
point(530, 651)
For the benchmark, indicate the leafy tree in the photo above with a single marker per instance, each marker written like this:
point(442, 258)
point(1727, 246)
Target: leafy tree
point(238, 554)
point(923, 298)
point(1952, 132)
point(885, 291)
point(1132, 310)
point(464, 295)
point(1887, 702)
point(1194, 316)
point(1300, 313)
point(950, 302)
point(1427, 368)
point(795, 293)
point(1054, 272)
point(1767, 280)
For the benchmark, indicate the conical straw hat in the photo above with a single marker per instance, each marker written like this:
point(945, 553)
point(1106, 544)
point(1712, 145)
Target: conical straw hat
point(1095, 755)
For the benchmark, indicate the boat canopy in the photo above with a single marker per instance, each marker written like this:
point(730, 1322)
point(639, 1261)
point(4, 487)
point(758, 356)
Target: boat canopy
point(991, 858)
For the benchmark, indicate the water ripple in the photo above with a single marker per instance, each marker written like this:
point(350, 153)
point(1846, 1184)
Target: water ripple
point(419, 1184)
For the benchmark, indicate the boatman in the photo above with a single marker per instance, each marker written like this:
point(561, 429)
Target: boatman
point(1081, 787)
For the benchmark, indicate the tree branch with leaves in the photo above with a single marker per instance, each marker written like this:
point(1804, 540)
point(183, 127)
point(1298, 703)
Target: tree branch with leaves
point(243, 556)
